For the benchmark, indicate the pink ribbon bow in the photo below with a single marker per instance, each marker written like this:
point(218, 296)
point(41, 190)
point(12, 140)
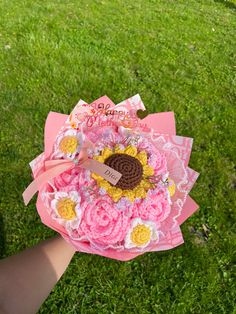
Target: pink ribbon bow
point(55, 167)
point(52, 169)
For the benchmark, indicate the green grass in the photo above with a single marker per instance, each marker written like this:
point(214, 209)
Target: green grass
point(179, 56)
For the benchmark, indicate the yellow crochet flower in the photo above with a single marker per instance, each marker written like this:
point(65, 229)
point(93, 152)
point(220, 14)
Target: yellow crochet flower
point(65, 205)
point(171, 187)
point(140, 235)
point(68, 144)
point(66, 208)
point(139, 191)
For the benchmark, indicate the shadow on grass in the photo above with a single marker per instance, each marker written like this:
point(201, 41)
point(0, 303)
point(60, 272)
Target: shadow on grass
point(227, 4)
point(2, 237)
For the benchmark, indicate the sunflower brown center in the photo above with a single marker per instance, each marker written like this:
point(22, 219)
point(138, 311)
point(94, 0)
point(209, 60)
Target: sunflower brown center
point(130, 168)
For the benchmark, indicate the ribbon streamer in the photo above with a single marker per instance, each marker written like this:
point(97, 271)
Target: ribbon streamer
point(54, 167)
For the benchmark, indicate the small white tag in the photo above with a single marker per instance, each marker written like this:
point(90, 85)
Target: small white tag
point(102, 170)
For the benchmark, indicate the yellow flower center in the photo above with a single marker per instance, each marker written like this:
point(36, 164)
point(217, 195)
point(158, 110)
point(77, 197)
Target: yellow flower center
point(140, 235)
point(66, 208)
point(171, 187)
point(68, 144)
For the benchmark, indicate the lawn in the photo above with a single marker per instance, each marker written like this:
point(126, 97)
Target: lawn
point(179, 56)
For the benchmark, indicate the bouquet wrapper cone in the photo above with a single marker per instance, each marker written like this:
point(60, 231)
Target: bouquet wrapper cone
point(163, 123)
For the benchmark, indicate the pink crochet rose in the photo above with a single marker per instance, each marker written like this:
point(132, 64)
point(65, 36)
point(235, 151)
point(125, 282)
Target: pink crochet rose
point(68, 180)
point(102, 223)
point(72, 180)
point(156, 209)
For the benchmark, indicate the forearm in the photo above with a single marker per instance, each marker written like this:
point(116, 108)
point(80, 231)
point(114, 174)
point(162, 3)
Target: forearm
point(27, 278)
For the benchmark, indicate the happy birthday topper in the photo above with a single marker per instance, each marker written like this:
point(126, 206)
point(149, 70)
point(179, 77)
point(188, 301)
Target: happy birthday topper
point(103, 112)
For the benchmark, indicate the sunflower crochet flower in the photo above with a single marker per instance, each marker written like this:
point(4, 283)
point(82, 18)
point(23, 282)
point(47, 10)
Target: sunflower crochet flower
point(134, 168)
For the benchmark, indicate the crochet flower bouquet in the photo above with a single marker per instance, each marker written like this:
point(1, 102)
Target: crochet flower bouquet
point(112, 181)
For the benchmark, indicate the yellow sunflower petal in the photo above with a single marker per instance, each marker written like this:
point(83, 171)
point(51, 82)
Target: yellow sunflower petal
point(131, 150)
point(130, 194)
point(96, 177)
point(140, 192)
point(107, 152)
point(146, 184)
point(115, 193)
point(99, 158)
point(142, 157)
point(118, 150)
point(148, 170)
point(104, 184)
